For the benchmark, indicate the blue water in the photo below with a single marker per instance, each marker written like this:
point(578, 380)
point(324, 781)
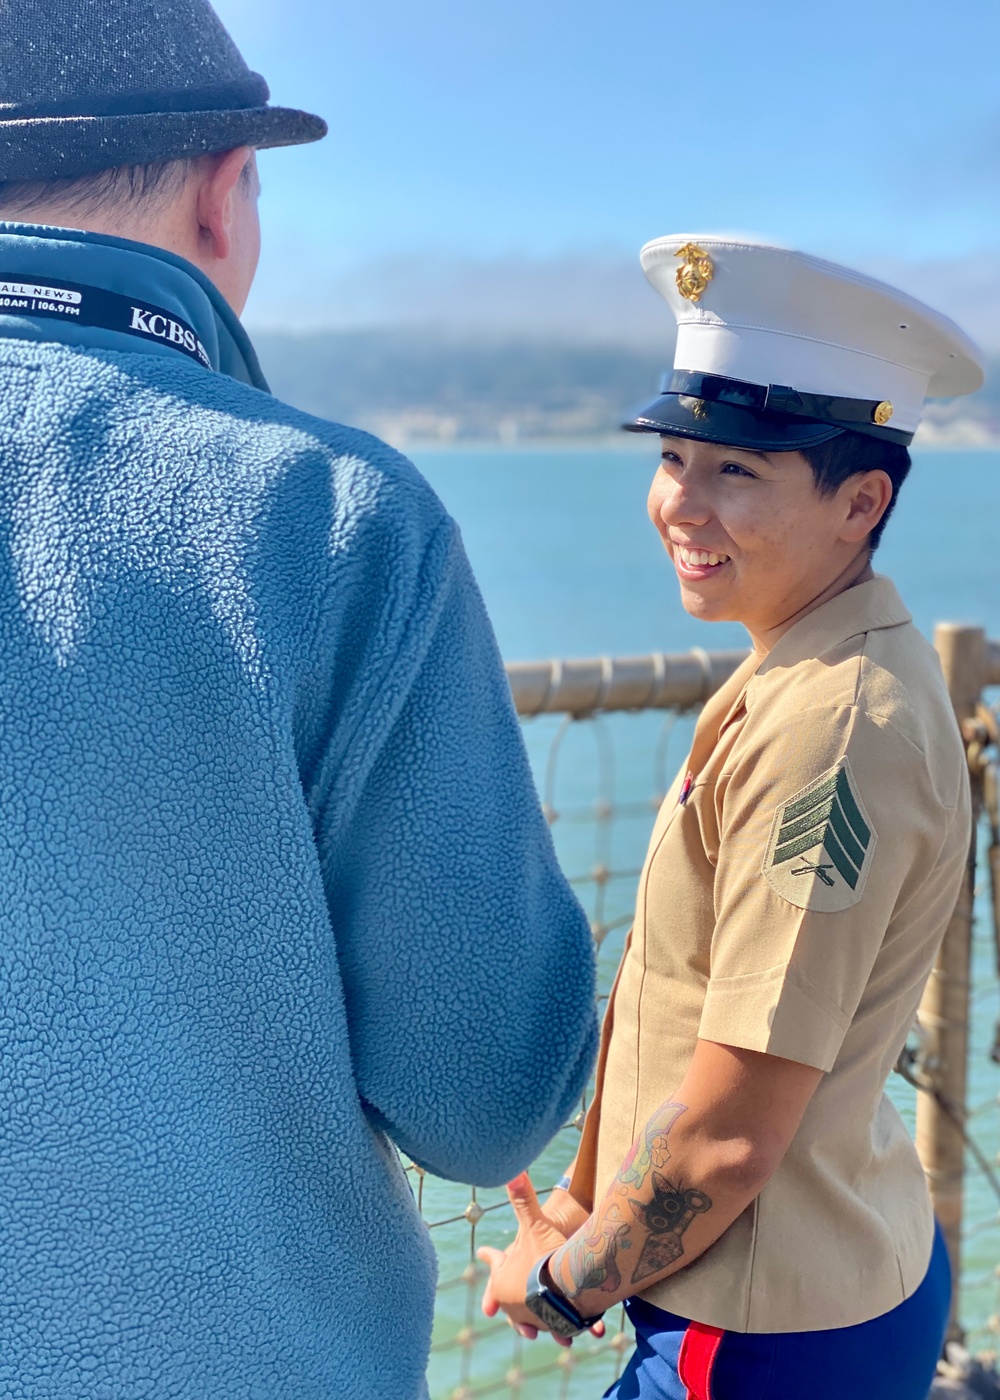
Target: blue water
point(570, 566)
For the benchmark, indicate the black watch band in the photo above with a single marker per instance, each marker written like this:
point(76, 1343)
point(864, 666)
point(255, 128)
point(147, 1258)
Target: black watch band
point(556, 1313)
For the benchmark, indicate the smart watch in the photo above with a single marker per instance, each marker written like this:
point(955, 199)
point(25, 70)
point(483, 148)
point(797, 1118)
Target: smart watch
point(555, 1312)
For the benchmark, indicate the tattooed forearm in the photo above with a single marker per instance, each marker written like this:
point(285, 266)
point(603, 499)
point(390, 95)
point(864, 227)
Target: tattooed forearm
point(696, 1167)
point(642, 1210)
point(666, 1217)
point(652, 1149)
point(592, 1259)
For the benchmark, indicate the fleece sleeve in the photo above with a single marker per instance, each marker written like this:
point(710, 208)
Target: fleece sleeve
point(467, 962)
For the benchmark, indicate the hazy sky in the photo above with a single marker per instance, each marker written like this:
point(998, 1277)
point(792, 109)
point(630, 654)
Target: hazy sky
point(520, 132)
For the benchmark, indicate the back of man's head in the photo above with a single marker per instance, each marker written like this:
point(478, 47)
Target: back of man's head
point(202, 208)
point(138, 118)
point(127, 192)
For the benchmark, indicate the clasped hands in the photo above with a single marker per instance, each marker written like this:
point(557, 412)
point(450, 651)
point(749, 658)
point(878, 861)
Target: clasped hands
point(540, 1230)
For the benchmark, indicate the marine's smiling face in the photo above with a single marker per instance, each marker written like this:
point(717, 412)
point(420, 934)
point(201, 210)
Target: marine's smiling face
point(752, 538)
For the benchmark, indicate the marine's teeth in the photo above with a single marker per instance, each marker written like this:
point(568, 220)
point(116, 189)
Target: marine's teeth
point(699, 558)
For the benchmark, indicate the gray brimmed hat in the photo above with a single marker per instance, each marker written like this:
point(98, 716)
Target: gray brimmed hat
point(87, 85)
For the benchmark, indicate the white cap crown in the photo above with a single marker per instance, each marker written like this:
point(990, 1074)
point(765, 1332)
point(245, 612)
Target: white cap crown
point(769, 316)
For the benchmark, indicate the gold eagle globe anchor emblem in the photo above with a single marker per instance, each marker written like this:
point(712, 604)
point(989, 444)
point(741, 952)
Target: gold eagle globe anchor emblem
point(695, 271)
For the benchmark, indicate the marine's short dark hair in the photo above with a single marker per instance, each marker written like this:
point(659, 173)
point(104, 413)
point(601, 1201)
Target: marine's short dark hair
point(847, 455)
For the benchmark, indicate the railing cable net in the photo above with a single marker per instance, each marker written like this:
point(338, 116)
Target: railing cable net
point(606, 738)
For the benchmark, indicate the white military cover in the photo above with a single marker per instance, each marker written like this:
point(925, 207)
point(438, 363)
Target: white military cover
point(770, 315)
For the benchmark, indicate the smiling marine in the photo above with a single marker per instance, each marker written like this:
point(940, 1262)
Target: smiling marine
point(743, 1184)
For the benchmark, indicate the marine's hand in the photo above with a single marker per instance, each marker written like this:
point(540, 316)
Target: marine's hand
point(509, 1269)
point(565, 1213)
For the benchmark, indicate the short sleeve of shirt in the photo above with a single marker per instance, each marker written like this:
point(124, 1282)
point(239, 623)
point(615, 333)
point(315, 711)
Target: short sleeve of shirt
point(827, 824)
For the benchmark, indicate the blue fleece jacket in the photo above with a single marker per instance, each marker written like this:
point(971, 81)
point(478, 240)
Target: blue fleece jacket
point(276, 896)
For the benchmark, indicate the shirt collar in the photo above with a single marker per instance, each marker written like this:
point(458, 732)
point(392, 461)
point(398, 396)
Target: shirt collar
point(866, 607)
point(152, 275)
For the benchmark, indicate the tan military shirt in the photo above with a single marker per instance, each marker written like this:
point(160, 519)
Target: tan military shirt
point(793, 904)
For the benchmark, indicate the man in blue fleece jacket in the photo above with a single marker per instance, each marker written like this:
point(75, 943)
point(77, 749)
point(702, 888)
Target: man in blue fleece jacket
point(276, 896)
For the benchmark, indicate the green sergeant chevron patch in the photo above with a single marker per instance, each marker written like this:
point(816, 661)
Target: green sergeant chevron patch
point(822, 844)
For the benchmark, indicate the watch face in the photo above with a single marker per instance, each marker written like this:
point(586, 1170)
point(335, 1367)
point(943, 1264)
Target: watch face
point(551, 1317)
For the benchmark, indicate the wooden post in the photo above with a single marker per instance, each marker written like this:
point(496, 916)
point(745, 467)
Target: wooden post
point(944, 1012)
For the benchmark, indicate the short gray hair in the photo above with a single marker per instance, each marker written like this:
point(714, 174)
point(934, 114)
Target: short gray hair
point(103, 192)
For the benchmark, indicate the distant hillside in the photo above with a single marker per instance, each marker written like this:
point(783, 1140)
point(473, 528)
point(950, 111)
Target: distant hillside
point(408, 386)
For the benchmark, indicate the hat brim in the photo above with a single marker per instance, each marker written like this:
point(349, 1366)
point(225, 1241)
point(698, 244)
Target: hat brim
point(681, 415)
point(61, 148)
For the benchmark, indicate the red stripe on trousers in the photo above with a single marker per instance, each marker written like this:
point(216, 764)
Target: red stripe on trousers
point(696, 1362)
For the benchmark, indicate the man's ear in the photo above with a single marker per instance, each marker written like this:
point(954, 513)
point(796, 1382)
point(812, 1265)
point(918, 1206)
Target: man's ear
point(866, 500)
point(216, 196)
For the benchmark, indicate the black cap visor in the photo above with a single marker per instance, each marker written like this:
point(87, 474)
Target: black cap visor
point(682, 415)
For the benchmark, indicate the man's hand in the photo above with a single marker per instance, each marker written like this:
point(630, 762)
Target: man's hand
point(537, 1234)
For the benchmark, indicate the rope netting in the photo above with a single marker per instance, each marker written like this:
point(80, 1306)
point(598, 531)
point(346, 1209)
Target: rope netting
point(602, 779)
point(979, 1306)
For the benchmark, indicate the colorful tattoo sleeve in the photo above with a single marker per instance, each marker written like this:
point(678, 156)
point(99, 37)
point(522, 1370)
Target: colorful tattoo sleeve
point(643, 1211)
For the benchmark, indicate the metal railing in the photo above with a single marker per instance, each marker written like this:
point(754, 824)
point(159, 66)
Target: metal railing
point(605, 737)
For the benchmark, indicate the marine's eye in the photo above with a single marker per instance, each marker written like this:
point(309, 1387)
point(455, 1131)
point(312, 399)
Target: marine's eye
point(737, 469)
